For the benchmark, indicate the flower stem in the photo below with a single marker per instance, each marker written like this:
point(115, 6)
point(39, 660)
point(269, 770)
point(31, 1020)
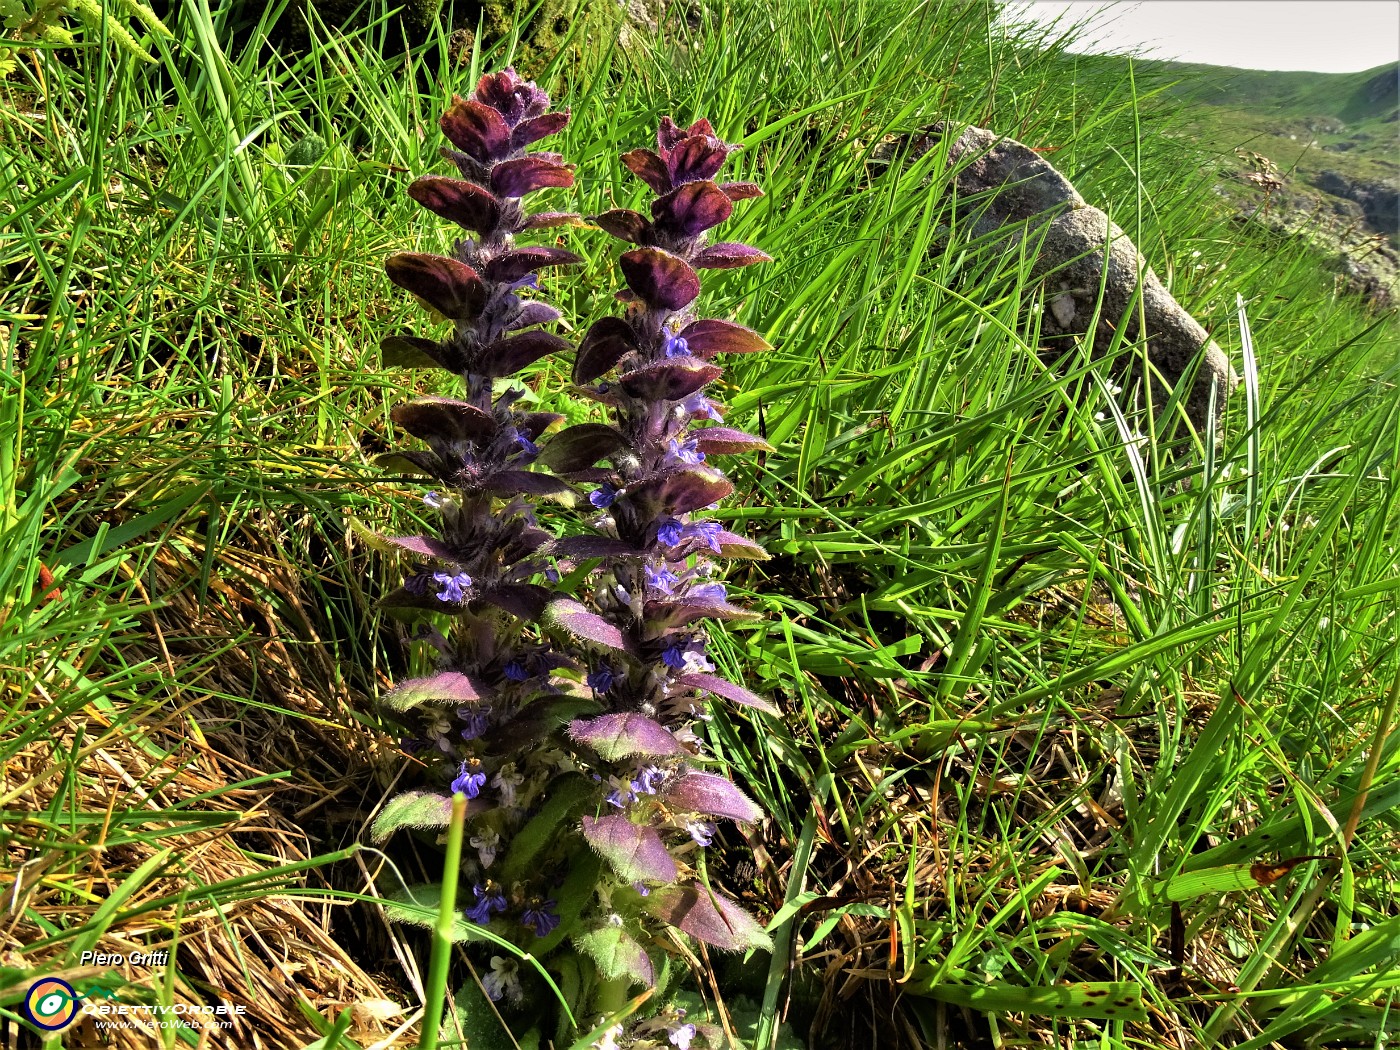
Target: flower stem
point(435, 991)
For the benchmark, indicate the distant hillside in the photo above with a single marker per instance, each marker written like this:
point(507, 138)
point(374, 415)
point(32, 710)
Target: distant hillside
point(1366, 99)
point(1313, 155)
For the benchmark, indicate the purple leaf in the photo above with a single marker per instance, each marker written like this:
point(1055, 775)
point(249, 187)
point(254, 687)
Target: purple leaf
point(446, 687)
point(707, 917)
point(659, 277)
point(533, 424)
point(515, 178)
point(727, 255)
point(732, 545)
point(669, 380)
point(696, 158)
point(409, 351)
point(726, 441)
point(580, 446)
point(636, 853)
point(692, 208)
point(606, 343)
point(415, 462)
point(516, 99)
point(740, 191)
point(668, 614)
point(533, 313)
point(450, 287)
point(507, 356)
point(712, 795)
point(681, 491)
point(514, 265)
point(709, 337)
point(525, 601)
point(729, 690)
point(424, 546)
point(624, 224)
point(618, 955)
point(441, 417)
point(569, 615)
point(669, 134)
point(583, 547)
point(528, 131)
point(619, 736)
point(528, 483)
point(648, 167)
point(457, 200)
point(552, 218)
point(416, 809)
point(476, 129)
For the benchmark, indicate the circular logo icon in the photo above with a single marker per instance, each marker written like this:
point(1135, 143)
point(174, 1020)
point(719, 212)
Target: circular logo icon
point(51, 1004)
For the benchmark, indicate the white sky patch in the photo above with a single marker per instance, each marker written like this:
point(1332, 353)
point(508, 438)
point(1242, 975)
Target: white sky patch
point(1326, 36)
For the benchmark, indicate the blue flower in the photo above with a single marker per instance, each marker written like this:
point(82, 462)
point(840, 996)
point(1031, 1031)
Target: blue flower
point(417, 584)
point(452, 585)
point(470, 778)
point(489, 899)
point(477, 721)
point(622, 793)
point(708, 592)
point(674, 345)
point(603, 678)
point(671, 531)
point(702, 831)
point(539, 915)
point(602, 497)
point(697, 405)
point(525, 443)
point(516, 672)
point(681, 1036)
point(708, 531)
point(649, 779)
point(641, 888)
point(503, 981)
point(663, 580)
point(673, 656)
point(686, 451)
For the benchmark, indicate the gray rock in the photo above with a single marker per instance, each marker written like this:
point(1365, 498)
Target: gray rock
point(1004, 187)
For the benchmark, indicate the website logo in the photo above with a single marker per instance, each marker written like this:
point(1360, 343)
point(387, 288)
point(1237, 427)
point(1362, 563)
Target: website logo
point(51, 1004)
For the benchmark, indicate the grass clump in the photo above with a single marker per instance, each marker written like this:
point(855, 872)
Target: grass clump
point(1079, 743)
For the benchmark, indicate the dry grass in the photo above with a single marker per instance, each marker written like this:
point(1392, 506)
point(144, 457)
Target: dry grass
point(178, 828)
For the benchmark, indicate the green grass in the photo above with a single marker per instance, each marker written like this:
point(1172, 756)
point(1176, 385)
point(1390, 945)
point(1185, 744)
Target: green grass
point(1043, 688)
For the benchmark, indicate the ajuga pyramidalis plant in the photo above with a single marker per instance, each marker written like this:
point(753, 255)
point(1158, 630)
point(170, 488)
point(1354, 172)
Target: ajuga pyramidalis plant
point(655, 583)
point(483, 568)
point(569, 722)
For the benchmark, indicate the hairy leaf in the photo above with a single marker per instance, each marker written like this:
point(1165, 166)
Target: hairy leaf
point(445, 687)
point(707, 917)
point(635, 852)
point(620, 735)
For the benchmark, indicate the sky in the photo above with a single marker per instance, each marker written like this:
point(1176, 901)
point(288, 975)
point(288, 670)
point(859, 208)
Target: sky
point(1327, 36)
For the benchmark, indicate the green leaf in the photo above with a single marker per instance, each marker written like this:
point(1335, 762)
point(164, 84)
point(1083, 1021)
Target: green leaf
point(413, 809)
point(567, 798)
point(1100, 1000)
point(418, 906)
point(616, 954)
